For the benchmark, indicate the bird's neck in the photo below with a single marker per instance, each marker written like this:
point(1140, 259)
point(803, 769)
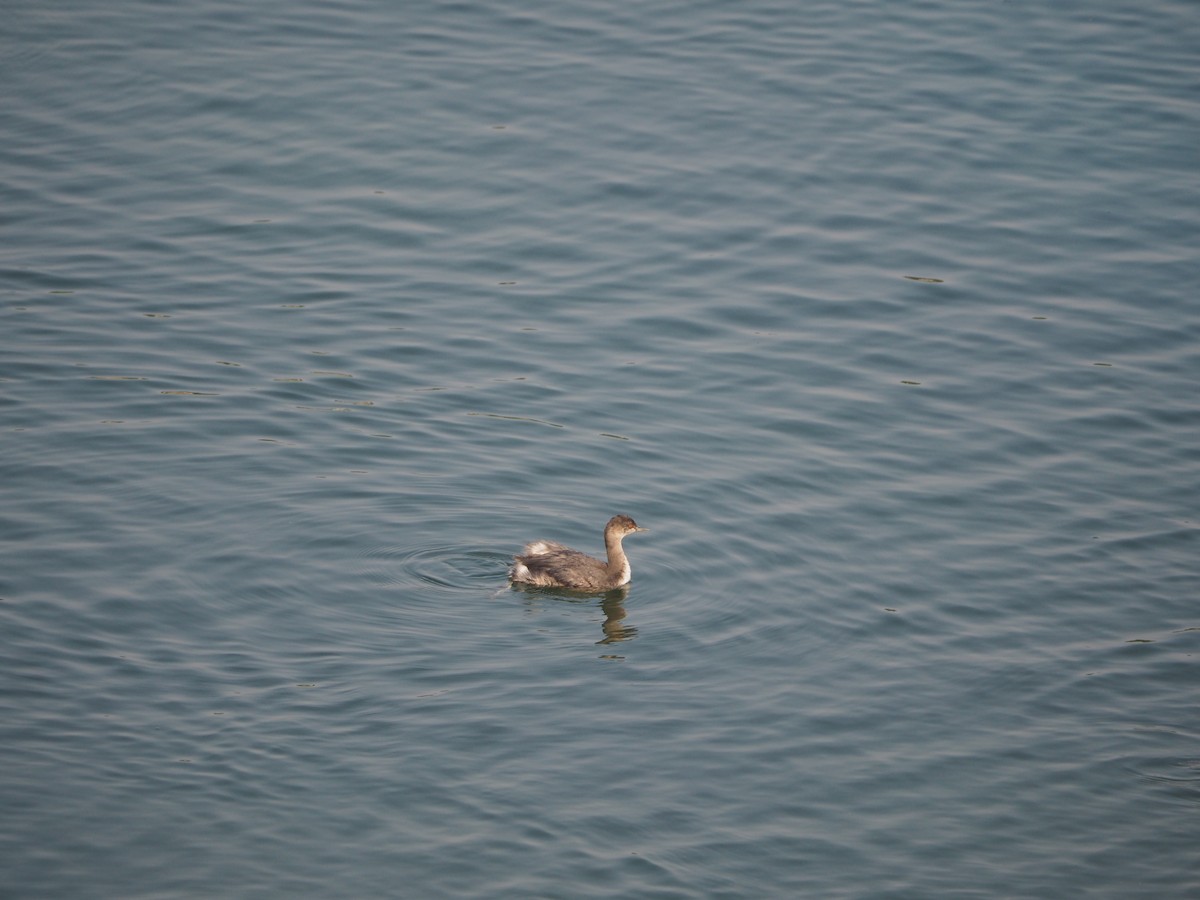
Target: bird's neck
point(618, 565)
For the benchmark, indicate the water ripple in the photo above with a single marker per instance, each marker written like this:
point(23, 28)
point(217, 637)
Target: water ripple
point(444, 567)
point(880, 317)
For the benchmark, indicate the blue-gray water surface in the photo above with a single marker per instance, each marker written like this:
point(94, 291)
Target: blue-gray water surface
point(882, 318)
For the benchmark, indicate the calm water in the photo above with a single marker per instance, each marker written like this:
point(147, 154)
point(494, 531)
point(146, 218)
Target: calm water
point(882, 317)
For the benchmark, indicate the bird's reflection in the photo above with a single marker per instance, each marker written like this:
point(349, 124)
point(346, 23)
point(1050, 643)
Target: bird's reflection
point(613, 607)
point(612, 604)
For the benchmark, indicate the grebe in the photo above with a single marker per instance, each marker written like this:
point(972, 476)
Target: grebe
point(548, 564)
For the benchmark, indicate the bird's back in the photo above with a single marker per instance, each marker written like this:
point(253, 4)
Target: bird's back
point(550, 564)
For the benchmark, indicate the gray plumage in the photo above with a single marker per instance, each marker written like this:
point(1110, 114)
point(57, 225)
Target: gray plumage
point(550, 564)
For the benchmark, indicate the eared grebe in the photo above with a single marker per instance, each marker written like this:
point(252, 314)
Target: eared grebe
point(547, 564)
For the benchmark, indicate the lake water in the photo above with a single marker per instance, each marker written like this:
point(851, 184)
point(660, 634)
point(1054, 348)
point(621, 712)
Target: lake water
point(882, 318)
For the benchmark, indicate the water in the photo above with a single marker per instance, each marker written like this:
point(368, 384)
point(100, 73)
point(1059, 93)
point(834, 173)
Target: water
point(881, 319)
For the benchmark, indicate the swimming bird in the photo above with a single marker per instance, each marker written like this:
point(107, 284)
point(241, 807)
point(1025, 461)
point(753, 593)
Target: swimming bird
point(550, 564)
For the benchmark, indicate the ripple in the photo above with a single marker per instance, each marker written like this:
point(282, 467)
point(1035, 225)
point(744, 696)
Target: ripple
point(1182, 772)
point(447, 567)
point(282, 605)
